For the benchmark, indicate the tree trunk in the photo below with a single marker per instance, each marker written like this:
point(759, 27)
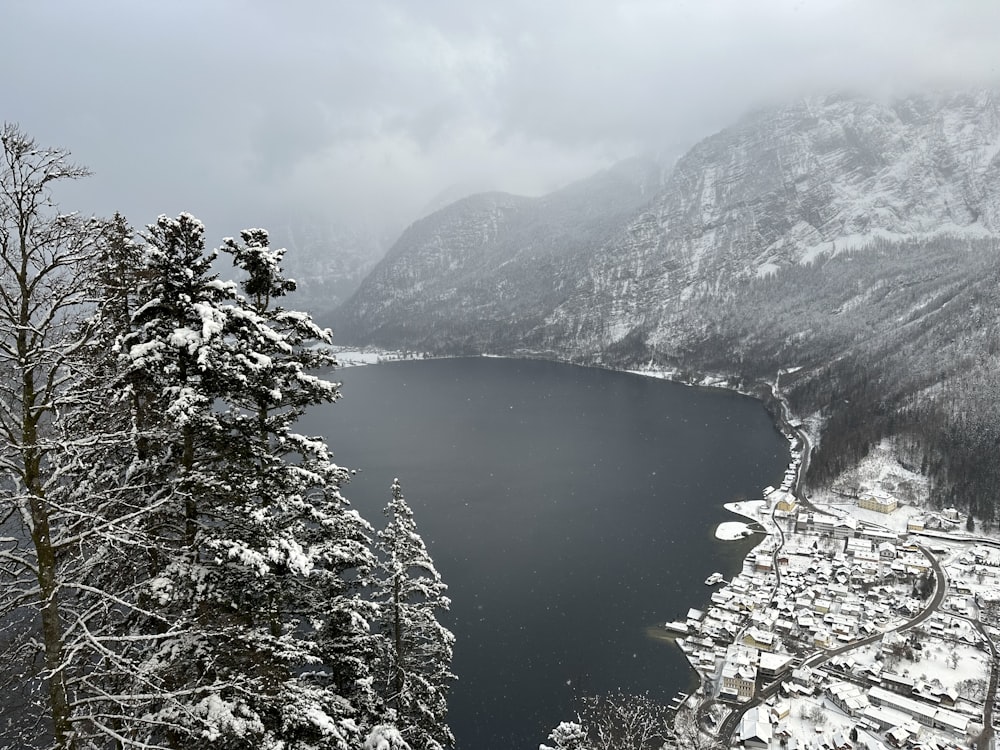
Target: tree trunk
point(397, 634)
point(48, 581)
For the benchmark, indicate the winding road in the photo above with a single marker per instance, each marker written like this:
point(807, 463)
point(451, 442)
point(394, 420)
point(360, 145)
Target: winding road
point(731, 722)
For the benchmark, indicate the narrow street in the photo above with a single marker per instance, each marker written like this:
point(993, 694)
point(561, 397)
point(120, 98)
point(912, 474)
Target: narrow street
point(985, 740)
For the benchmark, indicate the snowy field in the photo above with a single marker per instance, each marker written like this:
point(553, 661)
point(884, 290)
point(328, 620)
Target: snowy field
point(731, 530)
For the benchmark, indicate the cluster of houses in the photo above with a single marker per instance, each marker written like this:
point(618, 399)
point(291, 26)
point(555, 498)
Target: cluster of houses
point(833, 590)
point(834, 581)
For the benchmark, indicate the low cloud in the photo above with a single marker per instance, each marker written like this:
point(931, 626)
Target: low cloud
point(368, 111)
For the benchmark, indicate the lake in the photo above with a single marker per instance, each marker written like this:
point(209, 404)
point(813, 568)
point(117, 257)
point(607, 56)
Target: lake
point(567, 508)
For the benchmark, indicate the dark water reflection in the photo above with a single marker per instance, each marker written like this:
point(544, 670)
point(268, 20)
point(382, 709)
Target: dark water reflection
point(567, 508)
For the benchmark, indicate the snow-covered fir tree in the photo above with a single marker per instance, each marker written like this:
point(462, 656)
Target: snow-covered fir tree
point(297, 556)
point(260, 559)
point(385, 737)
point(567, 736)
point(181, 565)
point(415, 669)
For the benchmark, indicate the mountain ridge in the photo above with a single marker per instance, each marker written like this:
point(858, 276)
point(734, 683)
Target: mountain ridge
point(879, 209)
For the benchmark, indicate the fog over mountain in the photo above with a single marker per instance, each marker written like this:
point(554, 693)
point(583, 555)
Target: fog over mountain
point(852, 237)
point(251, 113)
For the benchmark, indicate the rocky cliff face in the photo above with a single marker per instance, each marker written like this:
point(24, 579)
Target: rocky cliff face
point(786, 187)
point(625, 252)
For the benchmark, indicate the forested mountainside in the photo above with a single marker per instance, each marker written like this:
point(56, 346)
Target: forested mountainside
point(895, 339)
point(850, 237)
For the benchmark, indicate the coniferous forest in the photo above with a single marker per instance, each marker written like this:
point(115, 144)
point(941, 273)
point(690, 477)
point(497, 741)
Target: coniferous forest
point(893, 340)
point(180, 568)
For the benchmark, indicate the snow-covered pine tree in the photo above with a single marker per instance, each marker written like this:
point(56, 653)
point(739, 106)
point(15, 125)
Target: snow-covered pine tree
point(385, 737)
point(192, 564)
point(415, 668)
point(107, 498)
point(567, 736)
point(297, 557)
point(170, 340)
point(261, 558)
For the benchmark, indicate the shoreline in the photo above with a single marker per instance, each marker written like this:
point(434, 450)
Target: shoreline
point(715, 709)
point(727, 531)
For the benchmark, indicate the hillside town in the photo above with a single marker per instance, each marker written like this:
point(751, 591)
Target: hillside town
point(862, 620)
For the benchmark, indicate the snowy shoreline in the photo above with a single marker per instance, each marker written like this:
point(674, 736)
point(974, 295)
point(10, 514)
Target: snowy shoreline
point(725, 531)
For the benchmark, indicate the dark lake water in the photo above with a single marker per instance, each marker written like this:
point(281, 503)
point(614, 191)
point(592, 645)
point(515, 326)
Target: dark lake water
point(567, 508)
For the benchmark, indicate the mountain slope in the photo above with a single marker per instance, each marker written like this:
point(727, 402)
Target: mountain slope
point(782, 187)
point(585, 267)
point(492, 260)
point(853, 238)
point(328, 260)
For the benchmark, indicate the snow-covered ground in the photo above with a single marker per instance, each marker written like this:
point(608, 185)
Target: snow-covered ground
point(348, 357)
point(730, 530)
point(881, 469)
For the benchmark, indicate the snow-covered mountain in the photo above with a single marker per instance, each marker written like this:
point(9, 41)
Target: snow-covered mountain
point(327, 259)
point(856, 240)
point(624, 251)
point(493, 260)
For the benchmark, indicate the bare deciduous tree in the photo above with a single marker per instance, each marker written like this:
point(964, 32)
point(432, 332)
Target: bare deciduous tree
point(41, 301)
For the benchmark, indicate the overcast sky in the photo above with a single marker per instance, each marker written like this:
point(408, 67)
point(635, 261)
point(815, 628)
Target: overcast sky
point(244, 111)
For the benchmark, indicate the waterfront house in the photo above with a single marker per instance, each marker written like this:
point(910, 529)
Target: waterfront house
point(763, 563)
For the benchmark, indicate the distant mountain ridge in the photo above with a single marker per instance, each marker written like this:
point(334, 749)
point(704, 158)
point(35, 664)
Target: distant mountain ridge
point(492, 257)
point(327, 259)
point(612, 253)
point(647, 263)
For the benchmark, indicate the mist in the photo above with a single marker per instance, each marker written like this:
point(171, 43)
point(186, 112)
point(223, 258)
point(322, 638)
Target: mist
point(368, 114)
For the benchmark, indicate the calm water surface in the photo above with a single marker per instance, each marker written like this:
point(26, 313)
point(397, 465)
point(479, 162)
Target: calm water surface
point(567, 508)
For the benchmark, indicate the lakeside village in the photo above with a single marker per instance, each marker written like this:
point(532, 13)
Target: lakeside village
point(861, 621)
